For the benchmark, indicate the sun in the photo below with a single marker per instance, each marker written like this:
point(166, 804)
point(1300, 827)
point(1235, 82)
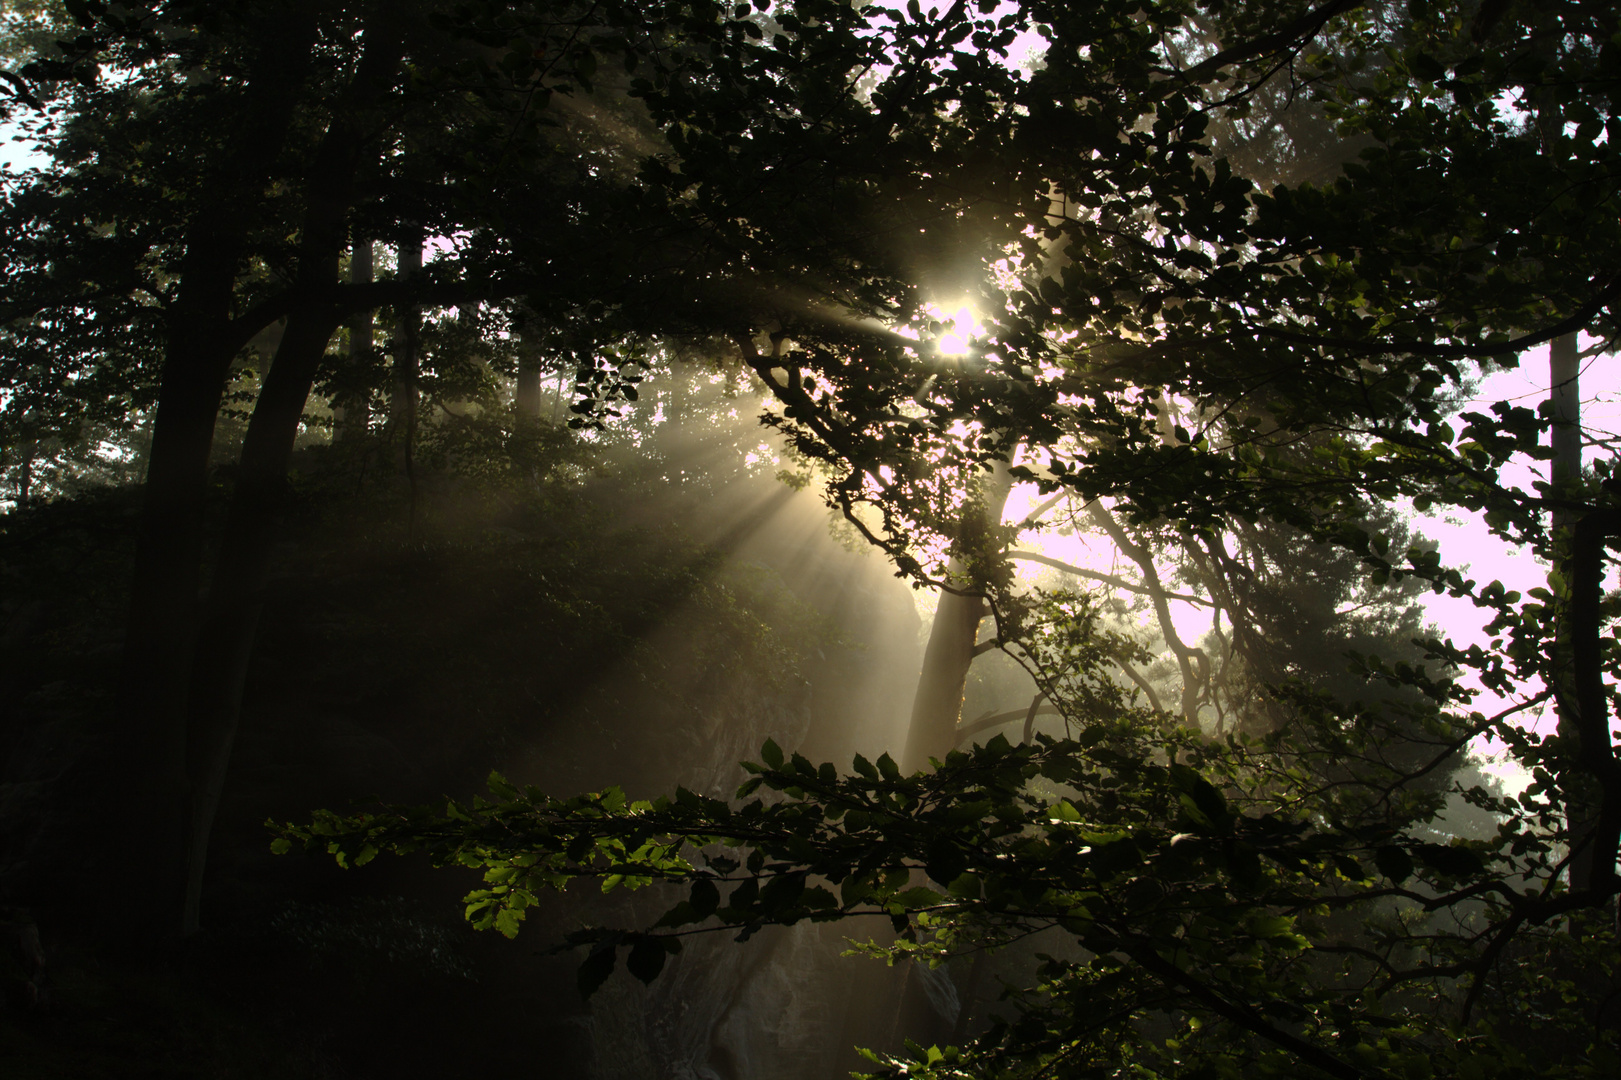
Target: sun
point(963, 326)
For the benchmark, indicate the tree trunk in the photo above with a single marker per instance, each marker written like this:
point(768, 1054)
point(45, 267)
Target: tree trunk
point(1193, 664)
point(242, 570)
point(143, 764)
point(236, 598)
point(25, 474)
point(149, 751)
point(1581, 794)
point(937, 705)
point(1564, 394)
point(351, 409)
point(407, 341)
point(527, 398)
point(1580, 787)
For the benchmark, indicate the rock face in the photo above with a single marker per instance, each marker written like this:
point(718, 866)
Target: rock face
point(765, 1009)
point(786, 1005)
point(720, 1010)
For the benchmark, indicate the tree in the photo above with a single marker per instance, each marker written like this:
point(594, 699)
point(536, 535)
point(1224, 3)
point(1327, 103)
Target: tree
point(1281, 903)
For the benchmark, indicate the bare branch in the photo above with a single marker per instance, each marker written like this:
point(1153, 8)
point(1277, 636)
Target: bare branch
point(1107, 579)
point(1186, 658)
point(985, 723)
point(1142, 683)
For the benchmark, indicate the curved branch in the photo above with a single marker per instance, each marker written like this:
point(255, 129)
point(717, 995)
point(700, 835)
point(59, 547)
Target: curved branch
point(1034, 515)
point(1245, 1016)
point(1186, 658)
point(1300, 31)
point(1142, 683)
point(1107, 579)
point(1030, 714)
point(1584, 315)
point(985, 723)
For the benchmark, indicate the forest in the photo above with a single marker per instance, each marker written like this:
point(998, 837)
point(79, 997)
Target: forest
point(641, 539)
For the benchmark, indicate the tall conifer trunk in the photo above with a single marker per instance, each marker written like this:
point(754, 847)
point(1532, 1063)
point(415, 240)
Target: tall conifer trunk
point(1580, 788)
point(1581, 795)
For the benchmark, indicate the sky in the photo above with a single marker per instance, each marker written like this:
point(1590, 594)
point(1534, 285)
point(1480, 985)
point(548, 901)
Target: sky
point(1465, 541)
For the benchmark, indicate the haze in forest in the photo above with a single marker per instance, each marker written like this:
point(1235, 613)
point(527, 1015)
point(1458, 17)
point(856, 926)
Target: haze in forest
point(794, 538)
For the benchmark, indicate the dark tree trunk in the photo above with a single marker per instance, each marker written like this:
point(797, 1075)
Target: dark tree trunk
point(1582, 797)
point(144, 759)
point(25, 474)
point(1564, 394)
point(1581, 788)
point(527, 397)
point(237, 596)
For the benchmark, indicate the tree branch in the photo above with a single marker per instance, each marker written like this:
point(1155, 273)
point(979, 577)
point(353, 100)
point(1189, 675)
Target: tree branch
point(1107, 579)
point(1245, 1016)
point(1302, 29)
point(985, 723)
point(1186, 658)
point(1142, 683)
point(1583, 315)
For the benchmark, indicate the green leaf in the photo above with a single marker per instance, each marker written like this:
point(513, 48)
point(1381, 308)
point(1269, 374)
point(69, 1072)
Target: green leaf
point(781, 893)
point(507, 922)
point(743, 897)
point(771, 754)
point(1205, 805)
point(945, 861)
point(1350, 868)
point(1266, 926)
point(917, 897)
point(500, 787)
point(1064, 810)
point(1245, 865)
